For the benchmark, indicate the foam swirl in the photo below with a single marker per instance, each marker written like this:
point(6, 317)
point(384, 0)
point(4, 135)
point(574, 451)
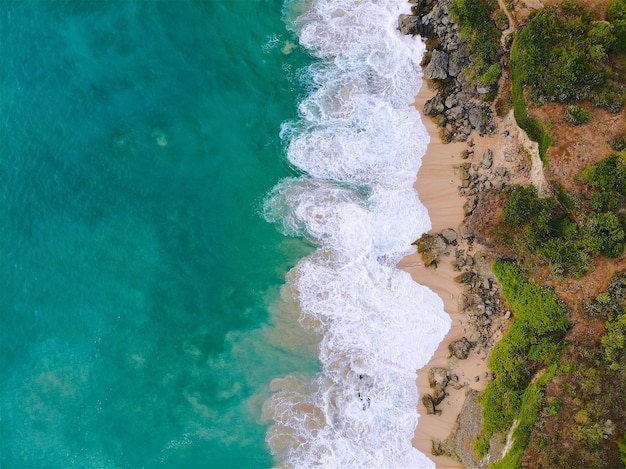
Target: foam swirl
point(359, 144)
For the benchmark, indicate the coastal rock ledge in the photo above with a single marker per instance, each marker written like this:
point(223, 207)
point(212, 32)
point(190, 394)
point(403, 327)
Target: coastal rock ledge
point(458, 107)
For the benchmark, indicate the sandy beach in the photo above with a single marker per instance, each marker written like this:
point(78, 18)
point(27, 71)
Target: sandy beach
point(437, 185)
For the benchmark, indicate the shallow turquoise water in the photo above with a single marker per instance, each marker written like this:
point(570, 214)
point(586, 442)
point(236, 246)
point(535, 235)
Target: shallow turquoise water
point(139, 283)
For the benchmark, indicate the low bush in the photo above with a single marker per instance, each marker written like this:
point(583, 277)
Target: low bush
point(577, 115)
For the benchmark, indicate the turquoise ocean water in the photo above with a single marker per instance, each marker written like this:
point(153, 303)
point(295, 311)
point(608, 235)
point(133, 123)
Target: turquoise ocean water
point(141, 320)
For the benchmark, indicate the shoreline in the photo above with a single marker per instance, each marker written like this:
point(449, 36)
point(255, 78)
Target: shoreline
point(437, 186)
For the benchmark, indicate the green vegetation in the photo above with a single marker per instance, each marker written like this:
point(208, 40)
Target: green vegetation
point(562, 234)
point(616, 15)
point(614, 342)
point(480, 32)
point(576, 115)
point(534, 340)
point(523, 205)
point(481, 446)
point(532, 403)
point(621, 443)
point(490, 77)
point(583, 417)
point(533, 128)
point(563, 52)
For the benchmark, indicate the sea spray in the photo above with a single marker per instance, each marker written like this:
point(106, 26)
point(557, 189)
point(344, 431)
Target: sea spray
point(358, 145)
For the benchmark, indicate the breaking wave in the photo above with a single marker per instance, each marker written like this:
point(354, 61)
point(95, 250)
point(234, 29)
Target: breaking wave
point(358, 143)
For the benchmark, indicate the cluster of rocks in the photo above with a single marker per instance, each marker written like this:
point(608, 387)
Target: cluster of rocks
point(432, 246)
point(439, 377)
point(458, 107)
point(481, 299)
point(481, 176)
point(477, 178)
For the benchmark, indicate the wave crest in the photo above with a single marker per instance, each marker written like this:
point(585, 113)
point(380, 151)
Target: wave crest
point(358, 144)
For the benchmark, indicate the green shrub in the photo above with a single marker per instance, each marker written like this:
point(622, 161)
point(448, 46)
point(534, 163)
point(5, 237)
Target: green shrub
point(490, 77)
point(522, 205)
point(577, 115)
point(610, 97)
point(477, 28)
point(608, 175)
point(604, 201)
point(604, 234)
point(553, 406)
point(533, 338)
point(616, 15)
point(530, 407)
point(481, 446)
point(479, 31)
point(614, 342)
point(621, 443)
point(501, 20)
point(533, 128)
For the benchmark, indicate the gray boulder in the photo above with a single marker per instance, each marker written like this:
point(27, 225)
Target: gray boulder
point(410, 25)
point(487, 158)
point(449, 235)
point(437, 68)
point(476, 118)
point(434, 106)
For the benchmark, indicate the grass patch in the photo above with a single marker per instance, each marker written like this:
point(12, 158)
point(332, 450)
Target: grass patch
point(534, 340)
point(533, 128)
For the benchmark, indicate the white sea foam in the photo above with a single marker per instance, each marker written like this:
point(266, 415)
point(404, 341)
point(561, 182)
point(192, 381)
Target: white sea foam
point(359, 145)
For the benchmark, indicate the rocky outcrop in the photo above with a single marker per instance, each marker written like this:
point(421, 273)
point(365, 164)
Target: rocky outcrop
point(458, 445)
point(458, 107)
point(430, 247)
point(437, 68)
point(460, 348)
point(438, 379)
point(449, 235)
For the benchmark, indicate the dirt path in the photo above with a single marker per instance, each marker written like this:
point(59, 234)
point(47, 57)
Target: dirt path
point(512, 24)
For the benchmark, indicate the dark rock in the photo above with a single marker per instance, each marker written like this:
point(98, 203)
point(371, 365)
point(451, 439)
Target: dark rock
point(465, 128)
point(463, 304)
point(429, 403)
point(456, 113)
point(456, 65)
point(462, 171)
point(487, 159)
point(465, 154)
point(430, 247)
point(470, 205)
point(451, 101)
point(465, 277)
point(476, 118)
point(411, 25)
point(460, 348)
point(439, 395)
point(484, 89)
point(434, 106)
point(437, 69)
point(501, 171)
point(465, 231)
